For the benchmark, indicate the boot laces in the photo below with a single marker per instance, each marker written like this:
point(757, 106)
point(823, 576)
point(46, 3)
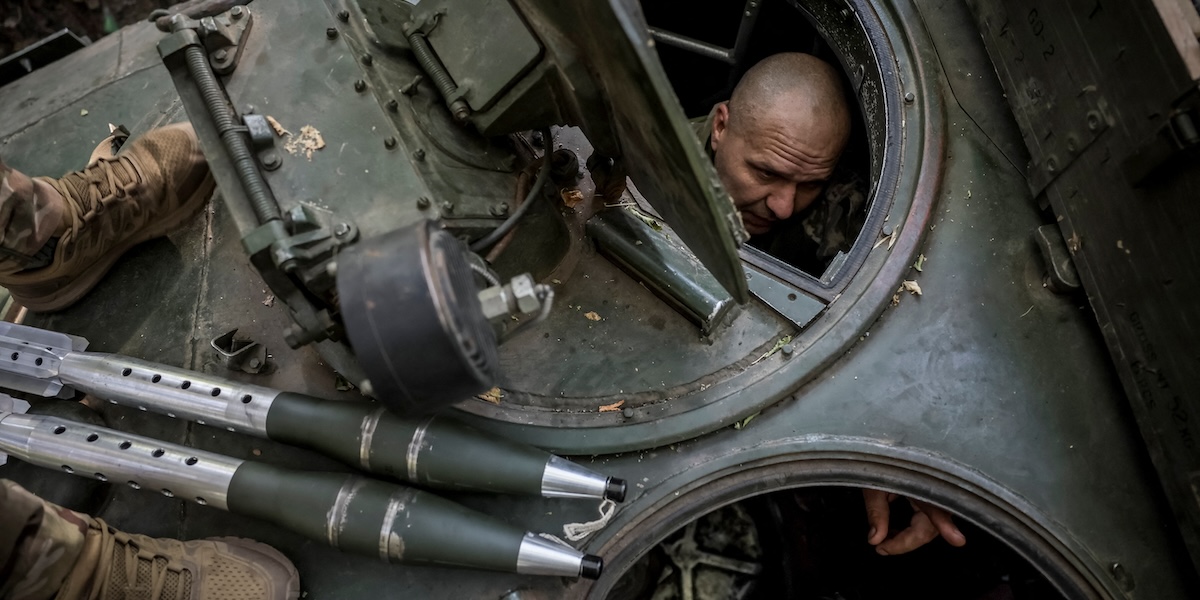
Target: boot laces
point(88, 192)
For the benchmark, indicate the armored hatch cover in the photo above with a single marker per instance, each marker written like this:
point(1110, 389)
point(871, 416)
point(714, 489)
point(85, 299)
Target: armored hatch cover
point(632, 111)
point(662, 154)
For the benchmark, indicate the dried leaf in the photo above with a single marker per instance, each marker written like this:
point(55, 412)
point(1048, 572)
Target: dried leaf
point(571, 196)
point(269, 300)
point(744, 422)
point(592, 316)
point(911, 287)
point(611, 407)
point(783, 341)
point(645, 218)
point(493, 395)
point(896, 299)
point(83, 112)
point(920, 264)
point(279, 129)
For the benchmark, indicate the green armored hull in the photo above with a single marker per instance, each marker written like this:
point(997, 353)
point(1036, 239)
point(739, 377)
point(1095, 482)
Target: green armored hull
point(986, 388)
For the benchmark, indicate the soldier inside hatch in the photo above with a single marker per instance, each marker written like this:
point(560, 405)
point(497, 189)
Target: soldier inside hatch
point(776, 145)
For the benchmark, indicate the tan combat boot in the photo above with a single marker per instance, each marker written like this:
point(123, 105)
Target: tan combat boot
point(115, 565)
point(148, 189)
point(47, 551)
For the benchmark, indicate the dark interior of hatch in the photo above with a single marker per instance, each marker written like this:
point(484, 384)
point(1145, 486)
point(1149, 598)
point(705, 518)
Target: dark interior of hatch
point(701, 78)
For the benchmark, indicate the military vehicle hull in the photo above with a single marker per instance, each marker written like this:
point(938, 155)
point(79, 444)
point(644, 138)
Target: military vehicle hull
point(987, 394)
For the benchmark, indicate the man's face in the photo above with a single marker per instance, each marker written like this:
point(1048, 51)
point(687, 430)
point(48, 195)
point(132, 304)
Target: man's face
point(775, 166)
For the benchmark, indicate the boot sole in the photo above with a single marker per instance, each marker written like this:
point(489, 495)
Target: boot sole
point(70, 293)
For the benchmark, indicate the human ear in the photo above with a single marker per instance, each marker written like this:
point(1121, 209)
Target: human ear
point(720, 124)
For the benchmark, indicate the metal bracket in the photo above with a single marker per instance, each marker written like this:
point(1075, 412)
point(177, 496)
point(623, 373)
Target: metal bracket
point(242, 354)
point(262, 138)
point(221, 36)
point(791, 303)
point(1061, 277)
point(1179, 134)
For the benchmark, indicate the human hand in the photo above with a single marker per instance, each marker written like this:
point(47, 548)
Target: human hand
point(928, 522)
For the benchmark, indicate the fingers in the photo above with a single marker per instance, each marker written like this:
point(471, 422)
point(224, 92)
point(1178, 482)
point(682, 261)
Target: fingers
point(920, 531)
point(943, 522)
point(878, 512)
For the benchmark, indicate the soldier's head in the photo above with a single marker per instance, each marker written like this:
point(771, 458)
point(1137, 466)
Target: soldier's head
point(777, 140)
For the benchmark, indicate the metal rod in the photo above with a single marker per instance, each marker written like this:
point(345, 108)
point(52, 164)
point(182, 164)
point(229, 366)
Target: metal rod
point(437, 72)
point(693, 45)
point(232, 135)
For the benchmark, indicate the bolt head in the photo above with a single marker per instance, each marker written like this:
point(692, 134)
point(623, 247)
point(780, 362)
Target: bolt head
point(271, 161)
point(419, 154)
point(788, 350)
point(500, 209)
point(910, 97)
point(343, 15)
point(448, 207)
point(627, 412)
point(389, 143)
point(255, 363)
point(221, 55)
point(360, 86)
point(331, 33)
point(423, 203)
point(341, 229)
point(367, 59)
point(392, 105)
point(237, 12)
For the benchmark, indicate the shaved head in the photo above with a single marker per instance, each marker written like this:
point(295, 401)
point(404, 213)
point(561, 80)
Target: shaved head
point(776, 142)
point(793, 86)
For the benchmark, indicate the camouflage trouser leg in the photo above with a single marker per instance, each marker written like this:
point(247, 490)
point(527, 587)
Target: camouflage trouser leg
point(40, 543)
point(31, 212)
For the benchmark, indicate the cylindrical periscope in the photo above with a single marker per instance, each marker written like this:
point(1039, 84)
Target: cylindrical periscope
point(356, 514)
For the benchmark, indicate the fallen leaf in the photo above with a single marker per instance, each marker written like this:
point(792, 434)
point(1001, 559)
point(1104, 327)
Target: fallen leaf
point(920, 264)
point(645, 218)
point(279, 129)
point(83, 112)
point(493, 395)
point(269, 300)
point(896, 299)
point(340, 383)
point(571, 196)
point(911, 287)
point(783, 341)
point(744, 422)
point(592, 316)
point(611, 407)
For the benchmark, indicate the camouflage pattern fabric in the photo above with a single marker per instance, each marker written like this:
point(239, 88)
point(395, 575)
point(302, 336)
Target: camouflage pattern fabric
point(40, 543)
point(31, 212)
point(809, 240)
